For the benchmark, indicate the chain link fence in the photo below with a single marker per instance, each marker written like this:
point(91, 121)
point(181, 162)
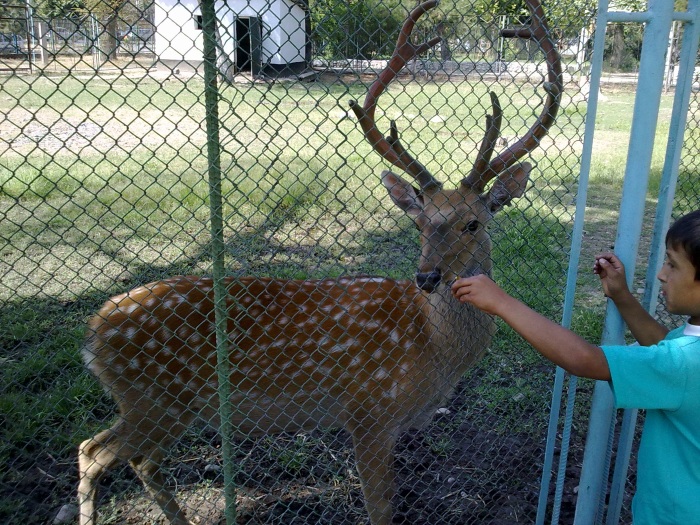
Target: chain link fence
point(104, 187)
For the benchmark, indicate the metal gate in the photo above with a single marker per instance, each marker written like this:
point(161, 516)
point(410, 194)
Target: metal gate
point(603, 488)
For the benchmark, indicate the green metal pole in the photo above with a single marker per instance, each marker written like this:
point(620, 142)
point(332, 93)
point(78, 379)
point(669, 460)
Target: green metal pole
point(211, 99)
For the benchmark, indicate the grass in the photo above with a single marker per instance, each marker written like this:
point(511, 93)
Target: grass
point(103, 186)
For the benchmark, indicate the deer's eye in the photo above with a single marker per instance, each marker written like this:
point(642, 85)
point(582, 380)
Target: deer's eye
point(471, 226)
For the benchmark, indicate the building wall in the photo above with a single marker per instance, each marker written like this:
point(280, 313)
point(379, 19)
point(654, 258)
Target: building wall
point(177, 37)
point(285, 38)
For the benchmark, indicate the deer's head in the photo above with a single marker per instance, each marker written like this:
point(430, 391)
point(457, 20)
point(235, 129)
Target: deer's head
point(452, 222)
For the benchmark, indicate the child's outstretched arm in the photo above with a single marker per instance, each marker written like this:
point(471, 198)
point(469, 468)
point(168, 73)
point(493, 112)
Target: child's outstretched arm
point(645, 329)
point(553, 341)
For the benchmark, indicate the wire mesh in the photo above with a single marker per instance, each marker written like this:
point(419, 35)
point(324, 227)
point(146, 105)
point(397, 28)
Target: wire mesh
point(103, 183)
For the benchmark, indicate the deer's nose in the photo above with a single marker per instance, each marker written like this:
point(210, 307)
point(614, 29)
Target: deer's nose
point(429, 281)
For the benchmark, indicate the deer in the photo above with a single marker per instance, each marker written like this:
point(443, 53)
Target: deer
point(373, 355)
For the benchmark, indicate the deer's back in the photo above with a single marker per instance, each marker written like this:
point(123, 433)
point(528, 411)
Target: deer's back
point(302, 352)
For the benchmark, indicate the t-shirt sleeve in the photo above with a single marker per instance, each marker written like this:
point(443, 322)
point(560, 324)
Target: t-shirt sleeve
point(648, 377)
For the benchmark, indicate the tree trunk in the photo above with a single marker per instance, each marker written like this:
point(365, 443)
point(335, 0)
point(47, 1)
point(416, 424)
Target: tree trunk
point(618, 46)
point(445, 51)
point(112, 39)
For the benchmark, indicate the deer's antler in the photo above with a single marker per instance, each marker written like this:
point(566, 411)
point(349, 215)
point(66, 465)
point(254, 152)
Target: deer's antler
point(484, 169)
point(389, 147)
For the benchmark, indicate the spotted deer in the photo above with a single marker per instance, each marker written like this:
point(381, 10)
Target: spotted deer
point(373, 355)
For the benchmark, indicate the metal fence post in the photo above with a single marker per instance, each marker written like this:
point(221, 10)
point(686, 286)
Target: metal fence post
point(571, 284)
point(211, 94)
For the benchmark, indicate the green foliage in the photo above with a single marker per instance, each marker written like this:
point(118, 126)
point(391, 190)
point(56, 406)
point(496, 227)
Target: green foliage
point(501, 7)
point(441, 445)
point(59, 8)
point(12, 19)
point(358, 29)
point(628, 5)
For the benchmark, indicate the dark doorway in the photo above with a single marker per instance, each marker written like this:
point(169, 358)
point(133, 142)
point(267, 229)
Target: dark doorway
point(248, 45)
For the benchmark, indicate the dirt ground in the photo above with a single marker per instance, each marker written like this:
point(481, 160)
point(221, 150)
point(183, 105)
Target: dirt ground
point(468, 466)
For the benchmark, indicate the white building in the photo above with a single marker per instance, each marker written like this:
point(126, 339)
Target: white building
point(268, 36)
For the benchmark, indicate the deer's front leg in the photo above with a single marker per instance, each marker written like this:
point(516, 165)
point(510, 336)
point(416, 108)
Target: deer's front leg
point(374, 455)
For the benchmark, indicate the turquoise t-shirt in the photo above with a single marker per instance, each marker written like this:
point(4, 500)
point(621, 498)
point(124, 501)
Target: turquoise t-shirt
point(665, 380)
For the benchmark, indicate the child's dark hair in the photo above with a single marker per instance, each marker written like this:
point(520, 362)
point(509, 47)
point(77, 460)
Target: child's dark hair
point(685, 233)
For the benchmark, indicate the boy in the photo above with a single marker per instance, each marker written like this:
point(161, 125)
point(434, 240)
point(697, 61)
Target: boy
point(662, 375)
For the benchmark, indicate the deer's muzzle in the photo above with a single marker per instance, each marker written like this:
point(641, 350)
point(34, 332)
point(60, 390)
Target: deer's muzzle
point(429, 281)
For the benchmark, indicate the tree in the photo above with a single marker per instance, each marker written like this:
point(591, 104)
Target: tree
point(13, 19)
point(624, 45)
point(59, 8)
point(360, 29)
point(107, 15)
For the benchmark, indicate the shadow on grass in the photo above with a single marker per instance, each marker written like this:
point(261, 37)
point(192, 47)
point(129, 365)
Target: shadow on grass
point(49, 403)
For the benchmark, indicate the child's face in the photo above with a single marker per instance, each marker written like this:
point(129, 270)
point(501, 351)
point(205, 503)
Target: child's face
point(679, 286)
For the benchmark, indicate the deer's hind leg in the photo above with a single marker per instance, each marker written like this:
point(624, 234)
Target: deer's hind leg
point(374, 455)
point(95, 456)
point(148, 471)
point(122, 443)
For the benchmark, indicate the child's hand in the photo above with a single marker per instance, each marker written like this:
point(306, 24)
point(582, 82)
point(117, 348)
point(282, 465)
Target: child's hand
point(480, 291)
point(612, 275)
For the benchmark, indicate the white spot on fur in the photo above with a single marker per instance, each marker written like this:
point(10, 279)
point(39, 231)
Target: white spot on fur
point(184, 332)
point(370, 279)
point(381, 374)
point(150, 302)
point(110, 333)
point(128, 310)
point(137, 363)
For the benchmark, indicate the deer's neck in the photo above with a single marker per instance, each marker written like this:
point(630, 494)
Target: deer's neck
point(459, 333)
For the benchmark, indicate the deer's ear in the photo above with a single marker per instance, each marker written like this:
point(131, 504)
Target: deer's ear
point(404, 195)
point(509, 185)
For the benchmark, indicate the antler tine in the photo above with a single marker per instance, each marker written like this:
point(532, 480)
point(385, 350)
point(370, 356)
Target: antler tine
point(493, 130)
point(539, 32)
point(390, 148)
